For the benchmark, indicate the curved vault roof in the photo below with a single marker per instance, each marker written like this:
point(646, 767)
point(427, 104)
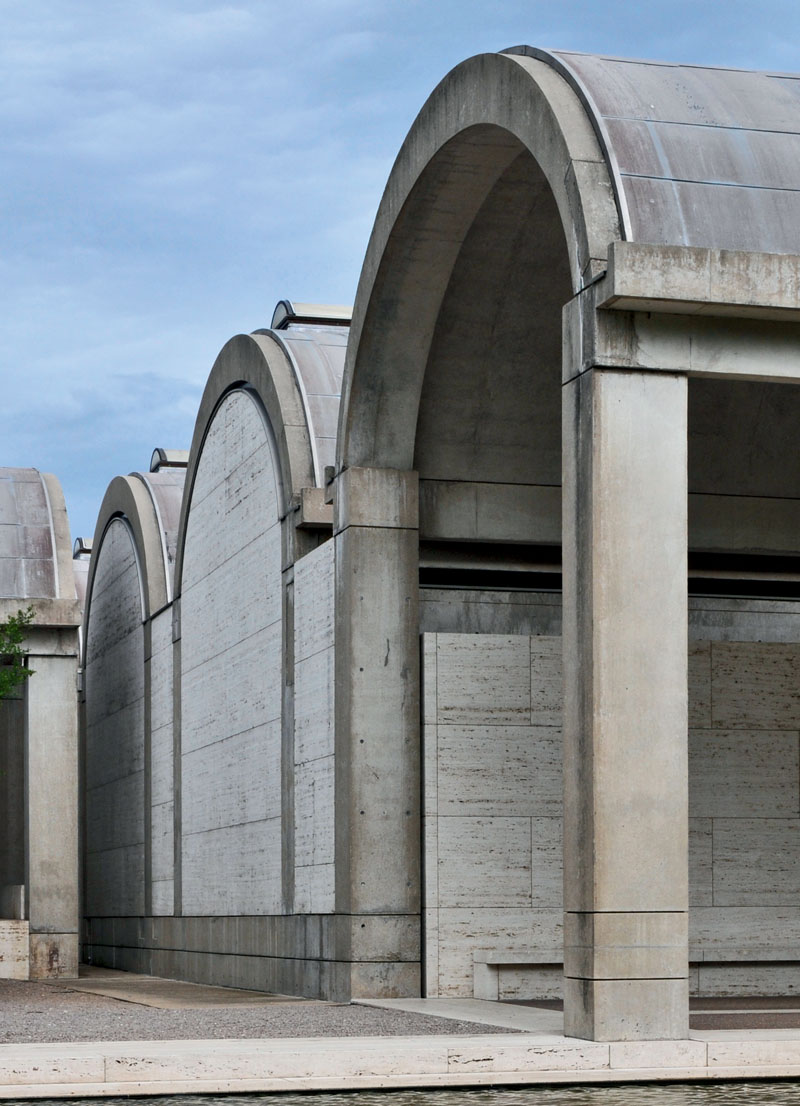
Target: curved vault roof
point(316, 354)
point(698, 156)
point(150, 504)
point(35, 548)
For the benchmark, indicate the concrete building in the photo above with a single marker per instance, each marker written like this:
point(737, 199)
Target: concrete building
point(39, 735)
point(346, 733)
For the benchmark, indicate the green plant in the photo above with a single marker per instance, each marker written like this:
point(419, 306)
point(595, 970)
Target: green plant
point(13, 670)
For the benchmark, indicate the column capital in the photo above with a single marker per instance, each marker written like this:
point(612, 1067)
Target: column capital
point(384, 498)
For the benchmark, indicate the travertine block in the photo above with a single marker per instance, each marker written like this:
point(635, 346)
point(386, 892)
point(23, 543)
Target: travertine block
point(484, 861)
point(483, 680)
point(699, 683)
point(430, 782)
point(744, 773)
point(756, 685)
point(701, 892)
point(462, 931)
point(13, 950)
point(658, 1054)
point(756, 862)
point(523, 764)
point(756, 930)
point(547, 690)
point(547, 869)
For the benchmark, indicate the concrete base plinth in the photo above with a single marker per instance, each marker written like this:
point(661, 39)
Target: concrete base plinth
point(53, 956)
point(626, 1009)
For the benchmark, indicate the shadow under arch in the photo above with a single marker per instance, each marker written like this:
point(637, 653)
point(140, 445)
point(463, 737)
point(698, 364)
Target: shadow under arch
point(499, 207)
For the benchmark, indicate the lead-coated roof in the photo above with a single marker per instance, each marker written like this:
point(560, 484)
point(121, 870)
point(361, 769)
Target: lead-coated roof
point(699, 156)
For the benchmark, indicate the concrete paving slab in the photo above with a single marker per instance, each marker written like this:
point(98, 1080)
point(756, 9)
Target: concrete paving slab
point(166, 994)
point(525, 1019)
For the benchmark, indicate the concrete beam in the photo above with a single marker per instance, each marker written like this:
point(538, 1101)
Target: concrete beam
point(742, 348)
point(691, 280)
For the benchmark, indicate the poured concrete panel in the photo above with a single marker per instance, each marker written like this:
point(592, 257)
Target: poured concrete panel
point(115, 739)
point(231, 646)
point(162, 774)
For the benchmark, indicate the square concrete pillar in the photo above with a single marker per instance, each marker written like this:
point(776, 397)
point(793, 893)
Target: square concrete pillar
point(625, 721)
point(51, 782)
point(377, 724)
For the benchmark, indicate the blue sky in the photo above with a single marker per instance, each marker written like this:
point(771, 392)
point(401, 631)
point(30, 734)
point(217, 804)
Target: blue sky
point(171, 169)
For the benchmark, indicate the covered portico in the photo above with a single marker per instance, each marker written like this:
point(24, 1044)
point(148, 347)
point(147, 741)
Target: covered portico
point(655, 205)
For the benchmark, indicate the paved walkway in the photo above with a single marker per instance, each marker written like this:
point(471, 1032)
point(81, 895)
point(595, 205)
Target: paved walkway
point(325, 1046)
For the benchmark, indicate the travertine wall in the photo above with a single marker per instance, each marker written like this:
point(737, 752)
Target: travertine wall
point(231, 678)
point(492, 818)
point(313, 731)
point(115, 732)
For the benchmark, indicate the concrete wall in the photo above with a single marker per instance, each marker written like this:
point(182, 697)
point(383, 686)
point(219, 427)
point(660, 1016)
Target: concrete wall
point(492, 820)
point(315, 883)
point(162, 775)
point(231, 648)
point(115, 732)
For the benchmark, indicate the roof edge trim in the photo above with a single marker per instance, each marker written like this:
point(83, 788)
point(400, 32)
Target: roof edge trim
point(598, 124)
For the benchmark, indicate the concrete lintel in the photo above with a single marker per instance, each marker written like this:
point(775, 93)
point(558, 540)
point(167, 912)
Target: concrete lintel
point(693, 345)
point(692, 280)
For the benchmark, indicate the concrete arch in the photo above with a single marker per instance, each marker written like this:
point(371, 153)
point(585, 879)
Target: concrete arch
point(128, 498)
point(475, 126)
point(260, 364)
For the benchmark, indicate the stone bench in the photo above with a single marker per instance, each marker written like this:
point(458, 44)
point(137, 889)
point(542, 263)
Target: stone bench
point(486, 965)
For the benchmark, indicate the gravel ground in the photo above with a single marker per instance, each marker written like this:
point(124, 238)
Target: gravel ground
point(37, 1012)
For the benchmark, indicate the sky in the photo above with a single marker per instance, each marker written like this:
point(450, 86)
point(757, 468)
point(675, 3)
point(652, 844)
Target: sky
point(173, 168)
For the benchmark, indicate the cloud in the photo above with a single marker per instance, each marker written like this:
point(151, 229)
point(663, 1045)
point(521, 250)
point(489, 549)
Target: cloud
point(173, 167)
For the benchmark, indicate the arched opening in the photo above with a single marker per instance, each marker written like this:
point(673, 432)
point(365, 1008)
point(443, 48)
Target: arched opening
point(488, 453)
point(499, 209)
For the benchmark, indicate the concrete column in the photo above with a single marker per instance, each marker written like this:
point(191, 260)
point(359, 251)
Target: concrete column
point(377, 729)
point(625, 723)
point(51, 783)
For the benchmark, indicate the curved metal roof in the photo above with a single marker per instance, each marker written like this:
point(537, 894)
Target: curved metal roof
point(166, 492)
point(700, 156)
point(316, 354)
point(28, 568)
